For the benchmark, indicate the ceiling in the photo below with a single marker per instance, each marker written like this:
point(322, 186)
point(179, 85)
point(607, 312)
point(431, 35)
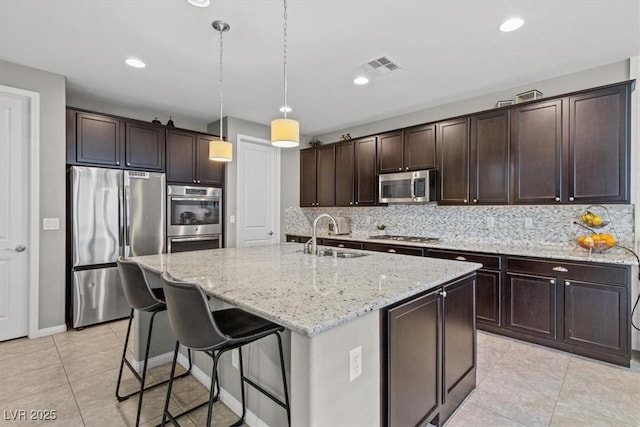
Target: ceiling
point(448, 50)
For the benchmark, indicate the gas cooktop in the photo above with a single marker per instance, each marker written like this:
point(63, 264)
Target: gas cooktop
point(413, 239)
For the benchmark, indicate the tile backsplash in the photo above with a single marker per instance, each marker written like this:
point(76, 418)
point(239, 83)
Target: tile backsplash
point(552, 225)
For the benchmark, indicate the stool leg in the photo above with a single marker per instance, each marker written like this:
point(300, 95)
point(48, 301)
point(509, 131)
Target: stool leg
point(165, 412)
point(244, 405)
point(124, 354)
point(284, 379)
point(144, 367)
point(211, 391)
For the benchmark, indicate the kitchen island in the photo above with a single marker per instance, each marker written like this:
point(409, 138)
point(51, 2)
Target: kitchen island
point(330, 305)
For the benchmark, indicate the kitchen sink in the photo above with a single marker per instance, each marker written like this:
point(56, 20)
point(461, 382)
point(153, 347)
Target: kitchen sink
point(340, 254)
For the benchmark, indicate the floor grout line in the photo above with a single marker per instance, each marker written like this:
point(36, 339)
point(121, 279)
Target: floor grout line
point(73, 393)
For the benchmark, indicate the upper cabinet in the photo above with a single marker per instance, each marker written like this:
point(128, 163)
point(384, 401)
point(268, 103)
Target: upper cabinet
point(308, 177)
point(326, 176)
point(489, 158)
point(345, 163)
point(188, 159)
point(366, 177)
point(144, 146)
point(453, 161)
point(408, 149)
point(96, 139)
point(537, 152)
point(598, 161)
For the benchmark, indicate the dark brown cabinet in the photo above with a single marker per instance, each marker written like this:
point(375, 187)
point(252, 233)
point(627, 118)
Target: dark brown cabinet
point(488, 284)
point(409, 149)
point(103, 140)
point(579, 307)
point(326, 176)
point(94, 139)
point(308, 177)
point(145, 146)
point(537, 152)
point(366, 178)
point(430, 355)
point(489, 158)
point(188, 159)
point(345, 178)
point(392, 249)
point(598, 159)
point(453, 161)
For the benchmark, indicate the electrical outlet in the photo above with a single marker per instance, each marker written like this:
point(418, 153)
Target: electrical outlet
point(355, 363)
point(528, 222)
point(232, 219)
point(491, 222)
point(51, 223)
point(234, 359)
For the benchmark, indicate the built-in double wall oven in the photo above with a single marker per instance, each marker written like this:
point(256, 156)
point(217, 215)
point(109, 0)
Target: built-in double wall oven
point(194, 218)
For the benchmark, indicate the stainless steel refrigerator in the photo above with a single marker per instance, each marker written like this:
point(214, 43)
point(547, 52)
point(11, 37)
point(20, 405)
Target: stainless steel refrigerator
point(113, 213)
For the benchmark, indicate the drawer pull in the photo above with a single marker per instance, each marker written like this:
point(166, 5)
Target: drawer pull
point(461, 258)
point(443, 293)
point(294, 240)
point(340, 245)
point(552, 281)
point(393, 251)
point(560, 269)
point(567, 283)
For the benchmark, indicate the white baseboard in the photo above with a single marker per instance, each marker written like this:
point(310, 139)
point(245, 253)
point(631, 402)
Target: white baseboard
point(158, 360)
point(45, 332)
point(232, 403)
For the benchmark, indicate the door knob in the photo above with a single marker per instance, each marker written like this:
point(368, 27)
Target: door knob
point(271, 233)
point(19, 248)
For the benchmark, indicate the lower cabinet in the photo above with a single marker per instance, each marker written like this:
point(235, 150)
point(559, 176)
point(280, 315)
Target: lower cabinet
point(392, 249)
point(430, 354)
point(577, 307)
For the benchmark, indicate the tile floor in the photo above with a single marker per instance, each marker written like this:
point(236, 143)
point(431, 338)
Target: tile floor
point(519, 384)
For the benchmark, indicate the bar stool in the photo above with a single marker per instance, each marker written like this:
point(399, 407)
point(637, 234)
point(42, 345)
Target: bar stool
point(141, 297)
point(215, 332)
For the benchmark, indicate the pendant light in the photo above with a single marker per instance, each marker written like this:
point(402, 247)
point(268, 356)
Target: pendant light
point(219, 149)
point(285, 132)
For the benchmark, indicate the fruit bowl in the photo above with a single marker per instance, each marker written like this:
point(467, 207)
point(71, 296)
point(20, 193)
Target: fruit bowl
point(596, 242)
point(593, 220)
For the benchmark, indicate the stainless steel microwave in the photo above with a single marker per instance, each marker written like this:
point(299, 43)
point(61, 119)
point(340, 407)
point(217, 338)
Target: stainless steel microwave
point(407, 187)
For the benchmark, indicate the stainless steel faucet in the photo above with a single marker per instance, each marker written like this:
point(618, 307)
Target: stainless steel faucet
point(314, 238)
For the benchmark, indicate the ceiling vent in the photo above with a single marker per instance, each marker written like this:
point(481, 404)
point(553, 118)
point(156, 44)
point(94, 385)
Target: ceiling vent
point(378, 66)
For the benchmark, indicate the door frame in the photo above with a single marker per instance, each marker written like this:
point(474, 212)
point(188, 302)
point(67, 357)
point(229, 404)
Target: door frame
point(33, 227)
point(246, 139)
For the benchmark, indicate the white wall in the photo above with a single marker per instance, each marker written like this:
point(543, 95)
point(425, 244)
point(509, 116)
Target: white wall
point(51, 87)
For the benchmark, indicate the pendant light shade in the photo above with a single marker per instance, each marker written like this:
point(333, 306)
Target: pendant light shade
point(219, 149)
point(285, 133)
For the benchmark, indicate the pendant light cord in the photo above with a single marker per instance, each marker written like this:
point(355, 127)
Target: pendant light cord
point(285, 59)
point(221, 90)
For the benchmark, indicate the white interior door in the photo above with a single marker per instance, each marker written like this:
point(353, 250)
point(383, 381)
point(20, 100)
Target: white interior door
point(258, 192)
point(14, 193)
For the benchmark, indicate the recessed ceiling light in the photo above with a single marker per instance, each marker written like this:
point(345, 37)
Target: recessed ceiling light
point(199, 3)
point(135, 63)
point(511, 25)
point(285, 109)
point(361, 80)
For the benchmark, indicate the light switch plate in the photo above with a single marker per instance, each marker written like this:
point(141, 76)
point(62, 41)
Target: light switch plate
point(355, 363)
point(232, 219)
point(51, 223)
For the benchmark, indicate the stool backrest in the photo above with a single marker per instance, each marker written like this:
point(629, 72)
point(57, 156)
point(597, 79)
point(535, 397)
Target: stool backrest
point(135, 286)
point(189, 315)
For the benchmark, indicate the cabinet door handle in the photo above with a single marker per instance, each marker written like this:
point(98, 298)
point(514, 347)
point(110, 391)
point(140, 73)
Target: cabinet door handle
point(557, 199)
point(567, 283)
point(356, 203)
point(407, 168)
point(465, 201)
point(443, 293)
point(552, 281)
point(128, 164)
point(461, 258)
point(340, 245)
point(475, 200)
point(350, 203)
point(571, 199)
point(393, 251)
point(399, 169)
point(294, 240)
point(560, 269)
point(117, 163)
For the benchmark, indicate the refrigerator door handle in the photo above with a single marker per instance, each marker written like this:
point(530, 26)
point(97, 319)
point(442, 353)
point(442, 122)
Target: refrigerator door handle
point(121, 218)
point(127, 222)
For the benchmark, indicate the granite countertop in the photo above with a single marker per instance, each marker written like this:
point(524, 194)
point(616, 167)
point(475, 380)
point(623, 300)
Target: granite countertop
point(307, 294)
point(562, 252)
